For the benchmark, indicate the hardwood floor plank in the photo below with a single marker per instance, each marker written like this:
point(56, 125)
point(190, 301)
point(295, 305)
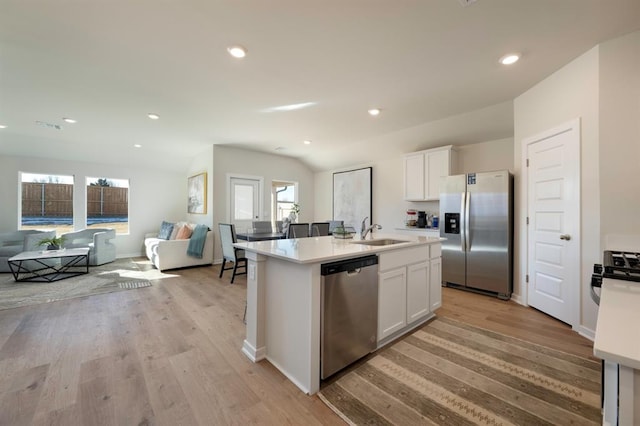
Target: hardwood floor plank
point(21, 397)
point(171, 354)
point(68, 416)
point(96, 400)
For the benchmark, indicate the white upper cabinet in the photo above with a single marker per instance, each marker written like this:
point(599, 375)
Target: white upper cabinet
point(423, 170)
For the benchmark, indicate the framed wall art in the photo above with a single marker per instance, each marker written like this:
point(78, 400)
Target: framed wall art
point(197, 190)
point(352, 196)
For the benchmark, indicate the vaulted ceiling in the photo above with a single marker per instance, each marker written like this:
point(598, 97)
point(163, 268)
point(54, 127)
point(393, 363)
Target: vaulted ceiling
point(431, 66)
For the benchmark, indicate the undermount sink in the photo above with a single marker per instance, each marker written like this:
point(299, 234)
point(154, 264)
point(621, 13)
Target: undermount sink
point(380, 242)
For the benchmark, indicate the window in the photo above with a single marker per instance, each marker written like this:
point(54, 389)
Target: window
point(46, 202)
point(244, 203)
point(284, 196)
point(108, 204)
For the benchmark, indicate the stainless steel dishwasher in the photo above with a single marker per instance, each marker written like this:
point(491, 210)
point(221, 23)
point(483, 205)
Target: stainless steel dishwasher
point(349, 322)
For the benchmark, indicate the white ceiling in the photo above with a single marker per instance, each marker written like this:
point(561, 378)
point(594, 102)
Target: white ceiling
point(430, 65)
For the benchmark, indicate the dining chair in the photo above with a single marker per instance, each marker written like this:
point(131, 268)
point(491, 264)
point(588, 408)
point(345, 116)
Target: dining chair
point(319, 229)
point(230, 253)
point(262, 226)
point(298, 230)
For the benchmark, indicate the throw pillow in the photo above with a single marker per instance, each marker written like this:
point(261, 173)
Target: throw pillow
point(165, 230)
point(184, 233)
point(176, 227)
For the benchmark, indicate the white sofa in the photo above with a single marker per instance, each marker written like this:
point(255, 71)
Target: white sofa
point(172, 254)
point(98, 240)
point(12, 243)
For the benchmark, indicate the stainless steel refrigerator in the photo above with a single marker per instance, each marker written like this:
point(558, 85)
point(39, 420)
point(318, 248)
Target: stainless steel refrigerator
point(476, 218)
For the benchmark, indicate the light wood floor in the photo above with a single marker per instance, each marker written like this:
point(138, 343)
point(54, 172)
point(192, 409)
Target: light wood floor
point(170, 355)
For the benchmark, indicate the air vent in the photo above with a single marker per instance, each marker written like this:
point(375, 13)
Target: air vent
point(49, 125)
point(466, 3)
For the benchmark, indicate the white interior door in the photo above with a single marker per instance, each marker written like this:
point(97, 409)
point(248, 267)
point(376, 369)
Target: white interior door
point(553, 189)
point(244, 203)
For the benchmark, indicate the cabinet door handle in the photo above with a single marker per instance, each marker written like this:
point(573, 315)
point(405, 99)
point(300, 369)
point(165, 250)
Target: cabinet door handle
point(566, 237)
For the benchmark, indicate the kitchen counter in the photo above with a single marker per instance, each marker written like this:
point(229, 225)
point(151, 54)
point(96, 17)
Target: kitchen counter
point(325, 249)
point(416, 229)
point(284, 296)
point(617, 331)
point(617, 342)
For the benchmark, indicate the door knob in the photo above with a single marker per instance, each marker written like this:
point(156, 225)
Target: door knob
point(565, 237)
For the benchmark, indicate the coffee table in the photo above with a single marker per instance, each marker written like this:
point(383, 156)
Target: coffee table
point(49, 265)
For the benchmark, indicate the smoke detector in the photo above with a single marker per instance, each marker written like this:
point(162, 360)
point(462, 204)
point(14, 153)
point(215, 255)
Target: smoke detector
point(49, 125)
point(466, 3)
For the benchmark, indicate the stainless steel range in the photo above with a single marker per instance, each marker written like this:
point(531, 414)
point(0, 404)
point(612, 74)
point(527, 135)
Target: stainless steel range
point(617, 280)
point(617, 265)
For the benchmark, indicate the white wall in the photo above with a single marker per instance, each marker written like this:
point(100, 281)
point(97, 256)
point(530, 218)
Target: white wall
point(154, 195)
point(620, 136)
point(571, 92)
point(203, 162)
point(602, 88)
point(389, 208)
point(228, 160)
point(486, 156)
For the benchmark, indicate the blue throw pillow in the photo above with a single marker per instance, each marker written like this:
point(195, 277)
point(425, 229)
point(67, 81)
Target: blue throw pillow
point(165, 230)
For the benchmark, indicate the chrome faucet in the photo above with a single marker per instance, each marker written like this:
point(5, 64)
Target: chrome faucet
point(364, 230)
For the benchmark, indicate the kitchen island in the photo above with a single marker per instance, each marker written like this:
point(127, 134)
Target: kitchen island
point(617, 342)
point(284, 295)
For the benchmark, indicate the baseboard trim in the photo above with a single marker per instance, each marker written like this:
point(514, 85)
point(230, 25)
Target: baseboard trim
point(252, 353)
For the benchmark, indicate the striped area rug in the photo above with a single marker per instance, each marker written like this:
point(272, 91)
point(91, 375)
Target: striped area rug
point(451, 373)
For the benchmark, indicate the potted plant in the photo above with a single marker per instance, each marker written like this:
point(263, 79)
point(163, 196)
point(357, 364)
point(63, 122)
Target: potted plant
point(53, 243)
point(293, 215)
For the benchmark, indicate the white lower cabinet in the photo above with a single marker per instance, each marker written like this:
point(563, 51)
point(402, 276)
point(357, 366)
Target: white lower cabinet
point(392, 305)
point(435, 280)
point(417, 291)
point(405, 295)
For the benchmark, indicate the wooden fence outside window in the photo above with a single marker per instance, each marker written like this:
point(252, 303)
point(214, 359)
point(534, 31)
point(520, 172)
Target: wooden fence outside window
point(56, 199)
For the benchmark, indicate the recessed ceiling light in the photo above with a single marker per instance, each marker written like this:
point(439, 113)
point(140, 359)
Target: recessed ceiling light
point(307, 142)
point(2, 126)
point(137, 145)
point(69, 120)
point(374, 111)
point(509, 59)
point(237, 51)
point(153, 116)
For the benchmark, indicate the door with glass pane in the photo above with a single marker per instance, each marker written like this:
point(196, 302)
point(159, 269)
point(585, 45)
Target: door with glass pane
point(245, 203)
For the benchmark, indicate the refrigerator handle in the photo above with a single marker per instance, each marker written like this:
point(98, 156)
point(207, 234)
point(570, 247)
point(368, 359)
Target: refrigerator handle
point(463, 203)
point(467, 220)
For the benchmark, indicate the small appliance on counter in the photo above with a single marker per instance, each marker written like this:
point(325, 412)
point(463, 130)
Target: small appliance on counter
point(411, 218)
point(422, 219)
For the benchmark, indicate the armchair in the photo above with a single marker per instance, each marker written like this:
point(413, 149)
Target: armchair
point(101, 249)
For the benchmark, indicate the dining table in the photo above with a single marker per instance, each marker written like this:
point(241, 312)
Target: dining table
point(259, 236)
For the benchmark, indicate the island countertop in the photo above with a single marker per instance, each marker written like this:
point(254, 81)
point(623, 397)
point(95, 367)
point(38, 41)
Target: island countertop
point(617, 339)
point(322, 249)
